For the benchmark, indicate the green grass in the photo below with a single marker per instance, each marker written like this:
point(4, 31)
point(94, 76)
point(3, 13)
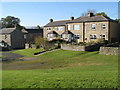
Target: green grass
point(63, 69)
point(26, 52)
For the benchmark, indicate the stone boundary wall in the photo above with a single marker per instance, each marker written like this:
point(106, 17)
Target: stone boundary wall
point(72, 47)
point(109, 50)
point(95, 47)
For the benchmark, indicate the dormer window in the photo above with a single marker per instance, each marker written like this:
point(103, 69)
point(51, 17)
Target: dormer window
point(48, 28)
point(93, 26)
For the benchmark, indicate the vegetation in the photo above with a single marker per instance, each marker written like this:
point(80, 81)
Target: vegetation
point(117, 19)
point(10, 22)
point(102, 13)
point(44, 44)
point(26, 52)
point(63, 69)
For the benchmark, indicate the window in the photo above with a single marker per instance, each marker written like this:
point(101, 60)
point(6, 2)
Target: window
point(48, 28)
point(93, 26)
point(76, 27)
point(103, 26)
point(93, 37)
point(5, 36)
point(77, 36)
point(60, 28)
point(50, 35)
point(68, 27)
point(25, 36)
point(102, 36)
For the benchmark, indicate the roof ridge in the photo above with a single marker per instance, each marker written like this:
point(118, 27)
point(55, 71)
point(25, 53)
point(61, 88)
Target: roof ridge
point(61, 20)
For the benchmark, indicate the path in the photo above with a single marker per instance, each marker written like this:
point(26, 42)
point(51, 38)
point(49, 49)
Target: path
point(46, 52)
point(10, 56)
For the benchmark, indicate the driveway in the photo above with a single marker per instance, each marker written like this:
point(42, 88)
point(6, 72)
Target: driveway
point(10, 56)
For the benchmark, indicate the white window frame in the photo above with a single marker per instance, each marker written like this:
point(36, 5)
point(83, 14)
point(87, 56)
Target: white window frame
point(59, 28)
point(5, 36)
point(25, 36)
point(93, 36)
point(69, 27)
point(50, 35)
point(101, 36)
point(76, 27)
point(77, 36)
point(93, 26)
point(48, 28)
point(103, 26)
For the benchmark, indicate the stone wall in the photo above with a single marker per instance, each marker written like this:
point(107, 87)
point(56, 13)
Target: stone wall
point(72, 47)
point(109, 50)
point(94, 47)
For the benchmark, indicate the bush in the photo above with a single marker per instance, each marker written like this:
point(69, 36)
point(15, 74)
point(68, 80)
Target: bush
point(101, 40)
point(44, 44)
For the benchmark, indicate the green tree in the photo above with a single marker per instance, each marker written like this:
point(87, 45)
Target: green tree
point(10, 22)
point(89, 10)
point(102, 13)
point(117, 19)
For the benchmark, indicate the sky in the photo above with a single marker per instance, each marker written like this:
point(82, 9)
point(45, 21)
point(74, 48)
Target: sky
point(39, 13)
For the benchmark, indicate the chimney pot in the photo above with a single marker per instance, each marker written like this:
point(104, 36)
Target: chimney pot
point(51, 20)
point(71, 18)
point(90, 14)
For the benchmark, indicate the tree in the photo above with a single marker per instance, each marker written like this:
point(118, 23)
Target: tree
point(117, 19)
point(10, 22)
point(89, 10)
point(38, 27)
point(40, 42)
point(102, 13)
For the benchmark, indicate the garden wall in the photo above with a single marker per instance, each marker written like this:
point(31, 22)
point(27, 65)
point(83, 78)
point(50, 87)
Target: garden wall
point(94, 47)
point(72, 47)
point(109, 50)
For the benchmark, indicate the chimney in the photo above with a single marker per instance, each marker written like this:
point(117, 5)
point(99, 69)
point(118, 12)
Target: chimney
point(51, 20)
point(90, 14)
point(71, 18)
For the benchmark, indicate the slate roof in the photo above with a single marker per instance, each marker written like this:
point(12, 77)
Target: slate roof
point(32, 30)
point(57, 23)
point(91, 19)
point(79, 19)
point(6, 30)
point(67, 32)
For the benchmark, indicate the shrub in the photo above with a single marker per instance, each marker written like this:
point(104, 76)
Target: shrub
point(101, 40)
point(44, 44)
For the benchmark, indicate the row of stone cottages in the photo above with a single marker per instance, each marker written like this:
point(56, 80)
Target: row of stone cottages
point(82, 29)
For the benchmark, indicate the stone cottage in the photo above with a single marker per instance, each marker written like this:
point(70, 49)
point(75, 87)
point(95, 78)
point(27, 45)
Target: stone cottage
point(83, 29)
point(31, 34)
point(12, 38)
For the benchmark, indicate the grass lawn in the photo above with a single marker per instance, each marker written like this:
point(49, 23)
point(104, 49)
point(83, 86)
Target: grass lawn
point(26, 52)
point(62, 69)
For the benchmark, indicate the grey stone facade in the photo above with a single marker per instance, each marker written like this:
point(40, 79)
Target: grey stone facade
point(13, 37)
